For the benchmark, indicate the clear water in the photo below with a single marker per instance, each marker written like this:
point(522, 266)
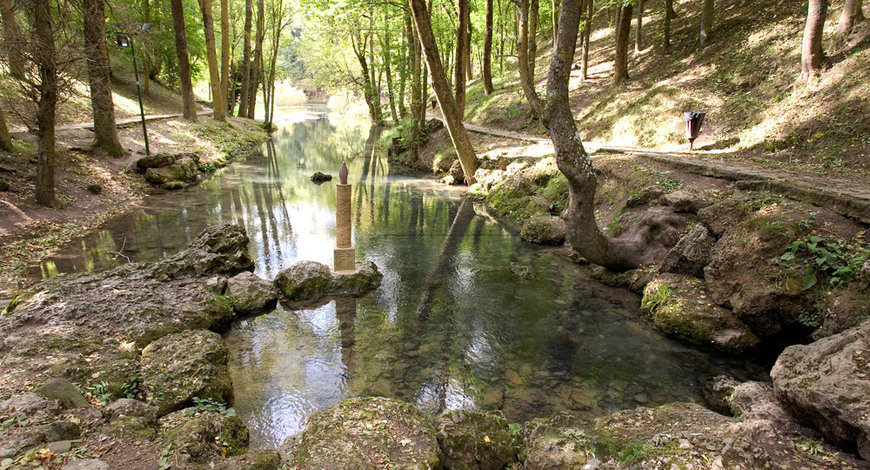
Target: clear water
point(467, 315)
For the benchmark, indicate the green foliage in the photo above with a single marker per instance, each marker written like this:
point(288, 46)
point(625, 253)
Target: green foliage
point(130, 387)
point(655, 298)
point(832, 262)
point(99, 391)
point(207, 404)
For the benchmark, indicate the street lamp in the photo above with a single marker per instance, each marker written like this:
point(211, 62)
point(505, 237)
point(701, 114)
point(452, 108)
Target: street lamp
point(125, 40)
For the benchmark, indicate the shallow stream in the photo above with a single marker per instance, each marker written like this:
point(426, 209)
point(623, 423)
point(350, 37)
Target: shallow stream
point(467, 316)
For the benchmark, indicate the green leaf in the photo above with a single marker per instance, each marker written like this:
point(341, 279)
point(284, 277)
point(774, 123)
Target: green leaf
point(810, 281)
point(787, 256)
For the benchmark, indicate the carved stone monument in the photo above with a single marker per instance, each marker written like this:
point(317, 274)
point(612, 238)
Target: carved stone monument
point(344, 255)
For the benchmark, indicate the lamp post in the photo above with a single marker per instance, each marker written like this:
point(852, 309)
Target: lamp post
point(125, 40)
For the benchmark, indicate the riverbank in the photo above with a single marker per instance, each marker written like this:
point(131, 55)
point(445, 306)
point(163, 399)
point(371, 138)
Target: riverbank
point(93, 188)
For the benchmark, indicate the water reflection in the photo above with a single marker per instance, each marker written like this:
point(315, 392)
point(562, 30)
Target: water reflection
point(467, 316)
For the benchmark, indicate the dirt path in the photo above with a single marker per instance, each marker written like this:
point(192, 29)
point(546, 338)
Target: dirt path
point(848, 196)
point(17, 132)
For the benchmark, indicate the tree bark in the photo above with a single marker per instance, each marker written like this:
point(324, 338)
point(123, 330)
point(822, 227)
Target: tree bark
point(669, 8)
point(707, 21)
point(105, 129)
point(417, 106)
point(534, 6)
point(462, 52)
point(13, 40)
point(455, 127)
point(572, 159)
point(146, 49)
point(246, 59)
point(623, 31)
point(555, 13)
point(526, 76)
point(5, 139)
point(45, 60)
point(358, 43)
point(257, 66)
point(587, 35)
point(220, 109)
point(388, 71)
point(225, 53)
point(852, 13)
point(184, 80)
point(812, 56)
point(638, 34)
point(487, 51)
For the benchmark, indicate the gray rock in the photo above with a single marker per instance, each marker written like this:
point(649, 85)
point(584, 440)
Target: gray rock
point(724, 215)
point(691, 254)
point(717, 393)
point(59, 447)
point(250, 293)
point(307, 280)
point(554, 443)
point(31, 405)
point(827, 384)
point(64, 392)
point(361, 432)
point(647, 195)
point(255, 459)
point(689, 199)
point(475, 440)
point(202, 437)
point(129, 408)
point(456, 174)
point(185, 169)
point(59, 431)
point(756, 400)
point(319, 177)
point(679, 306)
point(181, 366)
point(86, 464)
point(156, 160)
point(544, 231)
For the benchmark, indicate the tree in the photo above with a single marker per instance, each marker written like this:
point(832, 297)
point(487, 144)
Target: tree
point(587, 35)
point(487, 50)
point(5, 140)
point(527, 79)
point(218, 100)
point(812, 56)
point(225, 52)
point(852, 13)
point(457, 131)
point(184, 80)
point(462, 53)
point(638, 36)
point(669, 16)
point(13, 42)
point(623, 30)
point(246, 59)
point(105, 129)
point(573, 161)
point(706, 21)
point(534, 6)
point(257, 66)
point(44, 58)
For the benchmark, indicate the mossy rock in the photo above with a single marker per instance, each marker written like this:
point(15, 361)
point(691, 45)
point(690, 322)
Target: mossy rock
point(308, 280)
point(181, 366)
point(544, 230)
point(556, 442)
point(365, 433)
point(679, 306)
point(475, 440)
point(192, 436)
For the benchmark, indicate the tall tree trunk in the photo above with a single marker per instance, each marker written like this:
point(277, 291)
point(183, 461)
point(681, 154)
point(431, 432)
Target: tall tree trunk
point(555, 13)
point(257, 66)
point(526, 77)
point(184, 80)
point(359, 45)
point(225, 53)
point(534, 6)
point(486, 66)
point(105, 129)
point(638, 34)
point(407, 65)
point(852, 13)
point(246, 59)
point(469, 65)
point(707, 21)
point(13, 40)
point(417, 106)
point(623, 31)
point(587, 35)
point(461, 55)
point(572, 159)
point(457, 131)
point(376, 88)
point(669, 8)
point(388, 71)
point(45, 60)
point(146, 49)
point(5, 139)
point(220, 109)
point(812, 56)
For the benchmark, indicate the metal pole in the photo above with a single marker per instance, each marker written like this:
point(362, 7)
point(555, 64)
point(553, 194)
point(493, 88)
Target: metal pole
point(139, 91)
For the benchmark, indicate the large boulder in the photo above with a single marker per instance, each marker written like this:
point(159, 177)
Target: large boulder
point(365, 433)
point(308, 280)
point(745, 273)
point(690, 199)
point(544, 230)
point(756, 400)
point(724, 215)
point(475, 440)
point(62, 390)
point(827, 384)
point(691, 254)
point(181, 366)
point(192, 436)
point(250, 293)
point(555, 443)
point(679, 306)
point(185, 170)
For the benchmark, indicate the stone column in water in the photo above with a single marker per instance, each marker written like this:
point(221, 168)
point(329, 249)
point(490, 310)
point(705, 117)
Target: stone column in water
point(344, 256)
